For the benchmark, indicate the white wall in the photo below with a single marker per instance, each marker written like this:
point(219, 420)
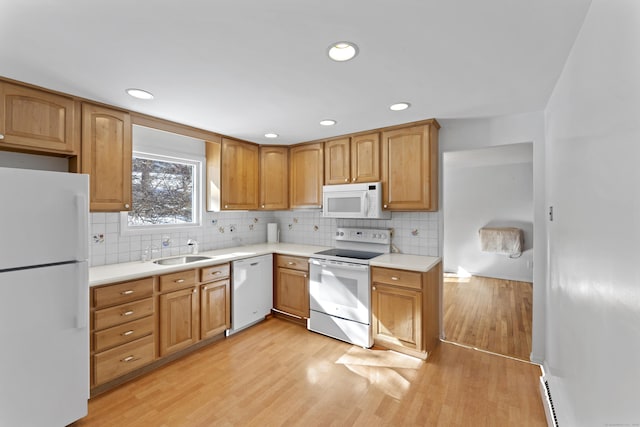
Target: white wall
point(593, 147)
point(487, 188)
point(466, 134)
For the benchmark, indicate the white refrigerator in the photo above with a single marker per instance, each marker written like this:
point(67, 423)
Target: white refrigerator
point(44, 297)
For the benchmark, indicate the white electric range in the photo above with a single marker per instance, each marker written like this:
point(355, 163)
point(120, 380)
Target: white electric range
point(339, 288)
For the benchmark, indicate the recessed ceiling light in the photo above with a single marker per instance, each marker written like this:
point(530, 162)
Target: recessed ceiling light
point(328, 122)
point(342, 51)
point(139, 93)
point(271, 135)
point(400, 106)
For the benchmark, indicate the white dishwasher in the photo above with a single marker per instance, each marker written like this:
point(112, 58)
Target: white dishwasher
point(251, 291)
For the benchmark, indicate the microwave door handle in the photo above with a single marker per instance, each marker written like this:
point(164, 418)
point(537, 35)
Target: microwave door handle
point(365, 202)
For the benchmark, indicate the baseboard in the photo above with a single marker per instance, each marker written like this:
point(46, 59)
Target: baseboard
point(547, 403)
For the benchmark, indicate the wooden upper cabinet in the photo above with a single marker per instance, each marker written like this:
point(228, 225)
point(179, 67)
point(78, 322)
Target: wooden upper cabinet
point(274, 177)
point(337, 165)
point(106, 157)
point(232, 175)
point(306, 175)
point(37, 121)
point(365, 158)
point(351, 160)
point(410, 168)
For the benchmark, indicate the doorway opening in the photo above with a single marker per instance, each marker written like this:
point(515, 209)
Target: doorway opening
point(488, 295)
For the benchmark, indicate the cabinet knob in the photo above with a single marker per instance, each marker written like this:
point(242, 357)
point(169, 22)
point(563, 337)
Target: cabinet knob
point(291, 263)
point(374, 288)
point(346, 180)
point(305, 276)
point(353, 180)
point(204, 288)
point(1, 136)
point(195, 290)
point(384, 206)
point(394, 278)
point(262, 206)
point(226, 206)
point(126, 205)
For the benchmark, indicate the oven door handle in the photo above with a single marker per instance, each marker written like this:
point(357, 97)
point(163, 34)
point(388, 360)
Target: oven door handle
point(335, 264)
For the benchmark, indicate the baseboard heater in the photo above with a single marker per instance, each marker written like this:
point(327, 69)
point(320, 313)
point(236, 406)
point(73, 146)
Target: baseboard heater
point(547, 403)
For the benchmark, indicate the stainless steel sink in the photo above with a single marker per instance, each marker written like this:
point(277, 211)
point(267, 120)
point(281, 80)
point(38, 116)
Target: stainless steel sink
point(177, 260)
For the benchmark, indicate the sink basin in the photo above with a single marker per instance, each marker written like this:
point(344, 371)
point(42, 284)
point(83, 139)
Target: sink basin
point(177, 260)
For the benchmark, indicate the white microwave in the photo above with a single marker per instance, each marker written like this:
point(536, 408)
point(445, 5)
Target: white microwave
point(363, 200)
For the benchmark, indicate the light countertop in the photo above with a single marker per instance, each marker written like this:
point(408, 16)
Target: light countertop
point(112, 273)
point(405, 262)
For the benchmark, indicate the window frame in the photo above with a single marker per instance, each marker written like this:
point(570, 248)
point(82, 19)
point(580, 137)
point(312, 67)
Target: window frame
point(198, 202)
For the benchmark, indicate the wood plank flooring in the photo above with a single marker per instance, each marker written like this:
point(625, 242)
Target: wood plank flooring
point(490, 314)
point(279, 374)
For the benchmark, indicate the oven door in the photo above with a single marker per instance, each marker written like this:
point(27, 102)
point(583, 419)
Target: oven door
point(340, 289)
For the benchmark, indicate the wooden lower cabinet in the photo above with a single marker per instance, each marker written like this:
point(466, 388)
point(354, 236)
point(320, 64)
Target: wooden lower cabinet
point(179, 326)
point(139, 325)
point(291, 287)
point(123, 329)
point(405, 309)
point(215, 308)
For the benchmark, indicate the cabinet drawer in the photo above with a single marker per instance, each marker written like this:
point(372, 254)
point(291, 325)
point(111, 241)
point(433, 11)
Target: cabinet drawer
point(122, 292)
point(118, 361)
point(117, 315)
point(179, 280)
point(292, 262)
point(408, 279)
point(215, 272)
point(124, 333)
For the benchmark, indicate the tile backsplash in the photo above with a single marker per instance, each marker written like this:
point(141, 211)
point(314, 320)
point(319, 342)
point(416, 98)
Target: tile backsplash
point(414, 233)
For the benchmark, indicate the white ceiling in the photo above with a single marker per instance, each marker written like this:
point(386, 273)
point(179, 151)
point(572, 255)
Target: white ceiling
point(246, 67)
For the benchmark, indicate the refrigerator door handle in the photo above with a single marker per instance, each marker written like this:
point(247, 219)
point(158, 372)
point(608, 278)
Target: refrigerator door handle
point(82, 310)
point(82, 212)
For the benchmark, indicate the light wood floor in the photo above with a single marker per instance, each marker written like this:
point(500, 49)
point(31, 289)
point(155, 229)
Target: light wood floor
point(490, 314)
point(279, 374)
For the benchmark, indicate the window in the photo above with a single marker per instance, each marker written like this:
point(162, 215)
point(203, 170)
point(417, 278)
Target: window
point(165, 192)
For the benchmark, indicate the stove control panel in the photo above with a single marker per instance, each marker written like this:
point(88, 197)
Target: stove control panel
point(364, 235)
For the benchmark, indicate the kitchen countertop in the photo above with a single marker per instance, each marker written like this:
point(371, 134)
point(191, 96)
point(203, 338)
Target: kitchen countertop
point(112, 273)
point(405, 262)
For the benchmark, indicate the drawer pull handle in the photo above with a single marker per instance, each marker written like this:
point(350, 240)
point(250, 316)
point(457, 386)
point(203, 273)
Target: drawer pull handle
point(394, 278)
point(129, 292)
point(291, 263)
point(127, 313)
point(128, 359)
point(213, 273)
point(179, 281)
point(126, 334)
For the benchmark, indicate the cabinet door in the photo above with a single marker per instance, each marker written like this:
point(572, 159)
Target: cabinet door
point(178, 320)
point(239, 180)
point(306, 176)
point(409, 169)
point(365, 158)
point(274, 178)
point(106, 157)
point(37, 120)
point(215, 308)
point(397, 316)
point(292, 292)
point(337, 161)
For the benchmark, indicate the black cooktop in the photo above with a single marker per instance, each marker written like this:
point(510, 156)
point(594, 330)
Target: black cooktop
point(349, 253)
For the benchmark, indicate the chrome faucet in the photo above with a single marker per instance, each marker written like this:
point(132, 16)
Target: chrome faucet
point(193, 244)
